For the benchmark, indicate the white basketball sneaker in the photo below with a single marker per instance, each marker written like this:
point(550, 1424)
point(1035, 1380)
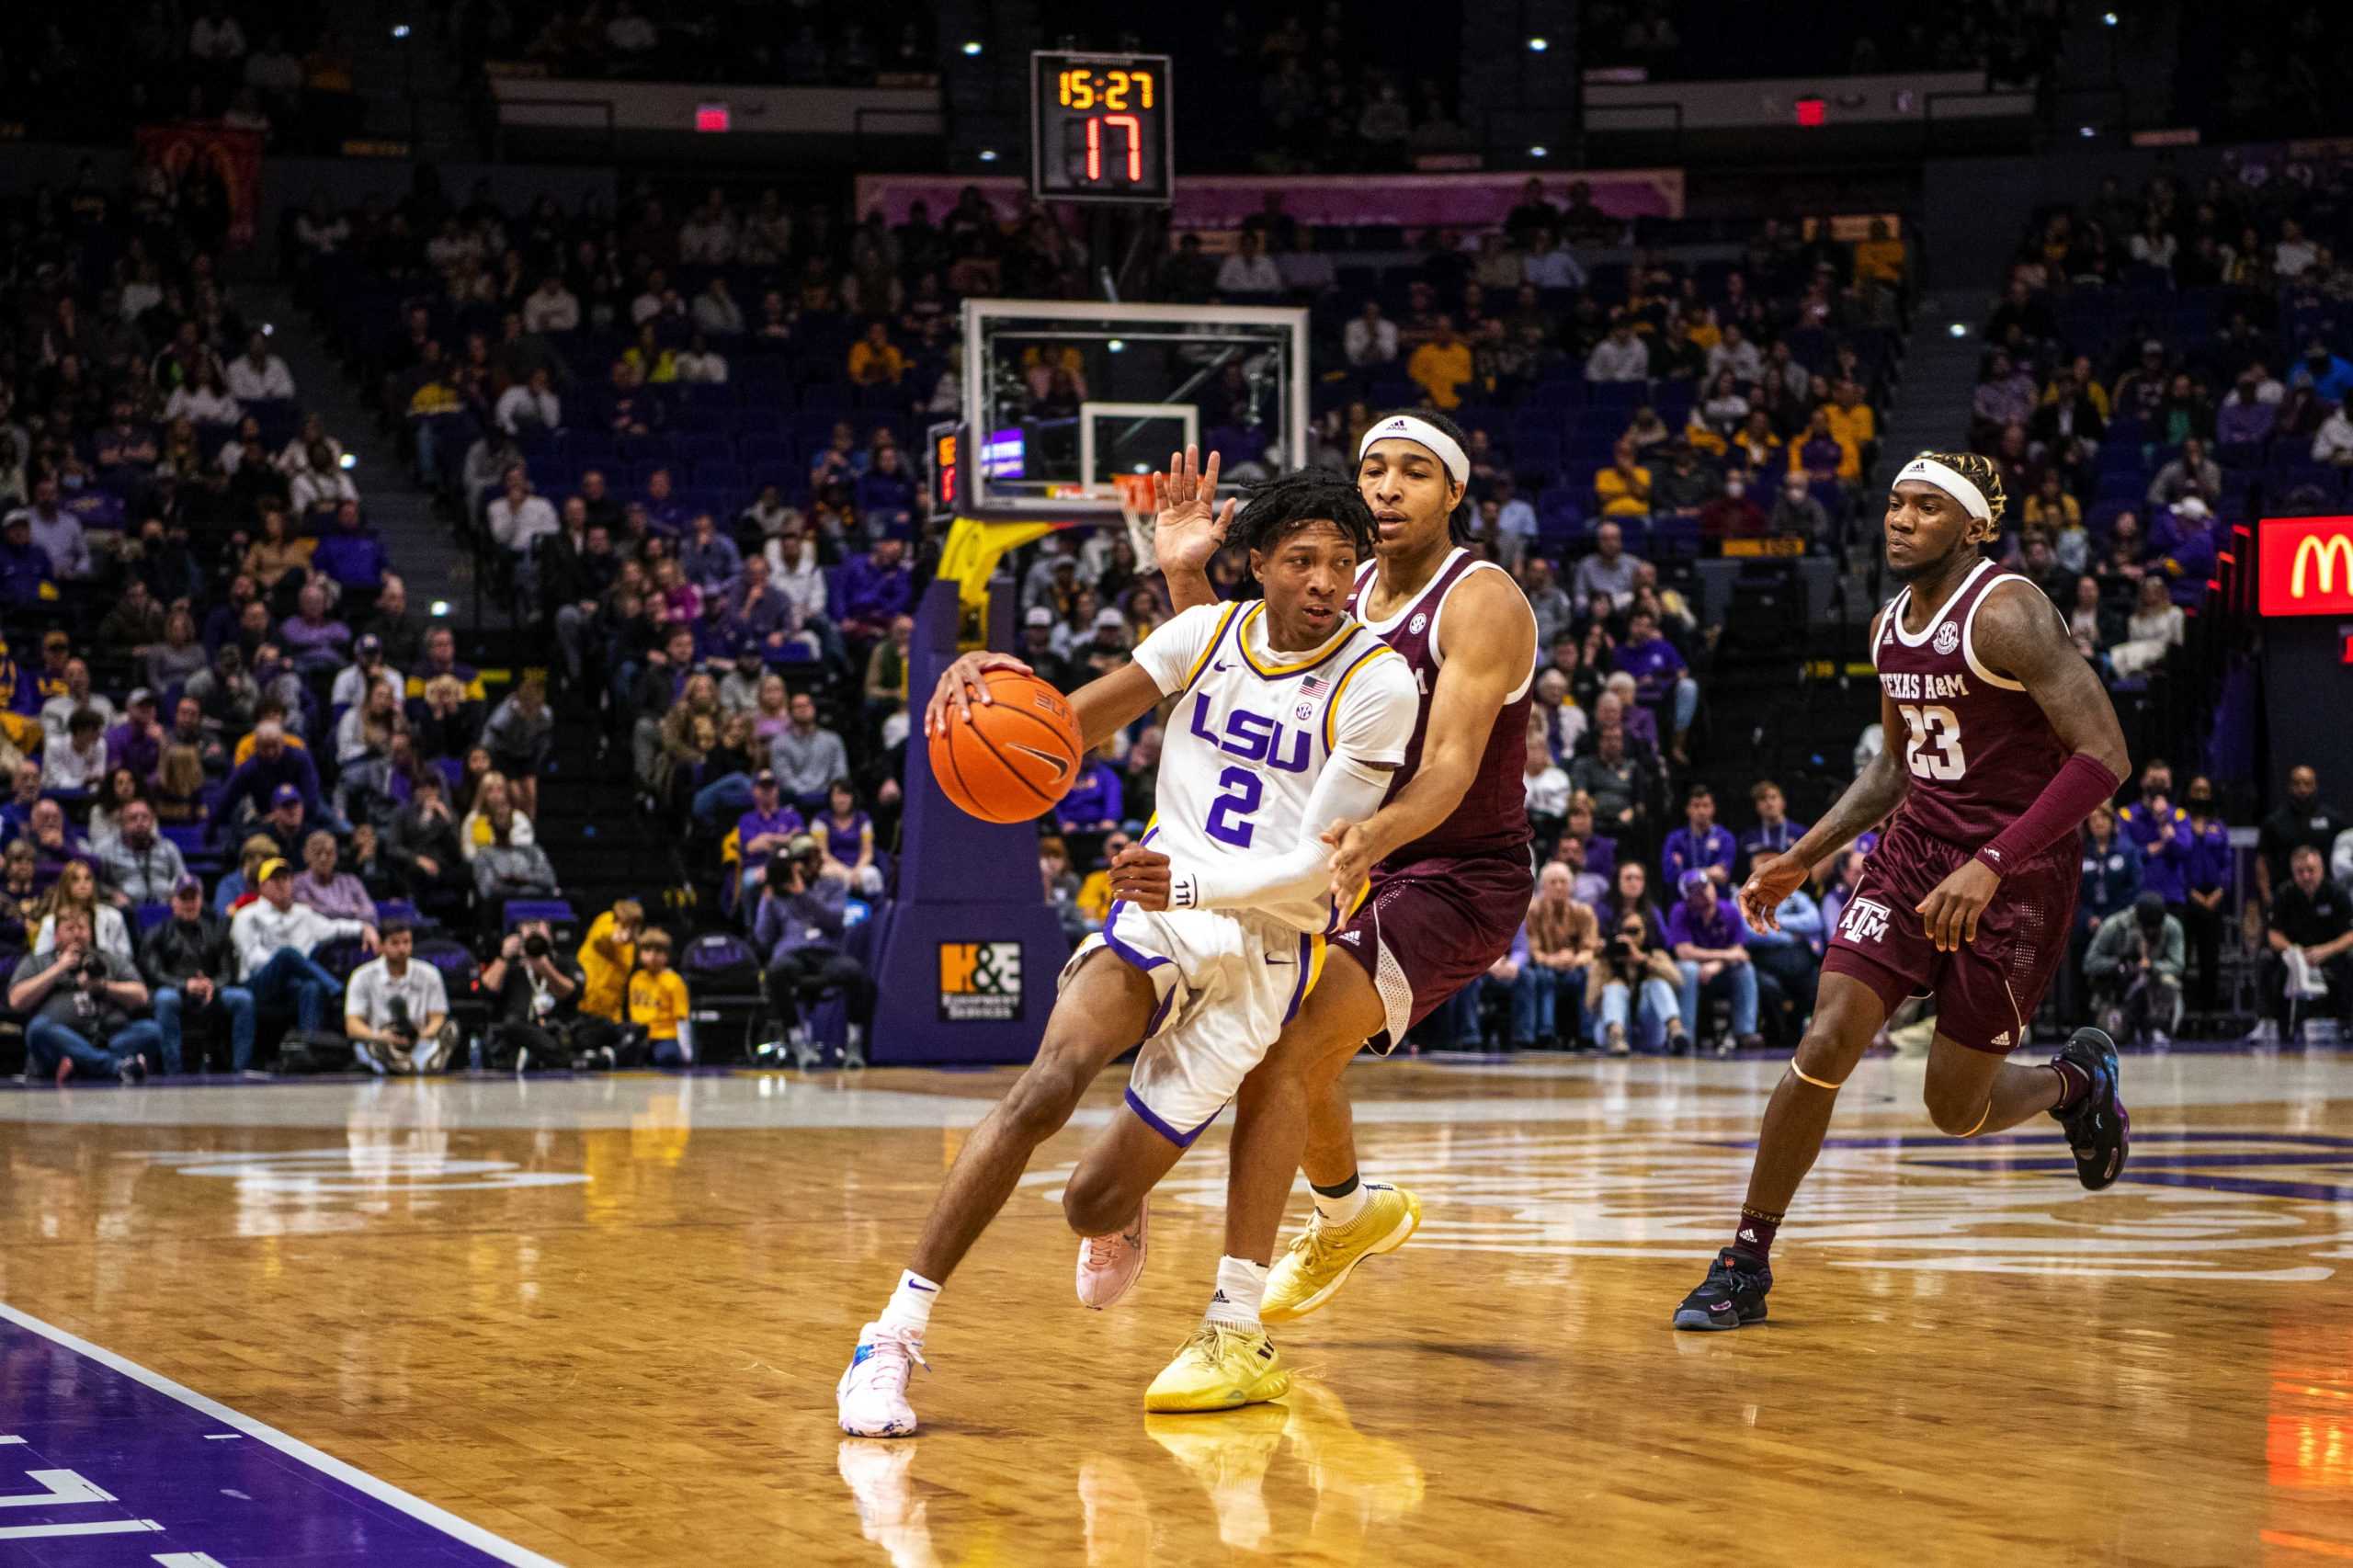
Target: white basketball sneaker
point(1109, 1264)
point(872, 1398)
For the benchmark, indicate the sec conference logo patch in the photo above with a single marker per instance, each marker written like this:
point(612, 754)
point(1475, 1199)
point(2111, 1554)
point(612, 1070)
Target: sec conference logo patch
point(979, 981)
point(1948, 638)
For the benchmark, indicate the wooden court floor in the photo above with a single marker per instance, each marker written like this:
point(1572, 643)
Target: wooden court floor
point(601, 1320)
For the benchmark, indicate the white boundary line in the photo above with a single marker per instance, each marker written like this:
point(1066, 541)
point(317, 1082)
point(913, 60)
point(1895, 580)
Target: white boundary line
point(383, 1492)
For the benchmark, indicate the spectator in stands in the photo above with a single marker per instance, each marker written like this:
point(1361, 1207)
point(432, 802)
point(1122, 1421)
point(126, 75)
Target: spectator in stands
point(81, 999)
point(259, 376)
point(509, 865)
point(79, 761)
point(1621, 356)
point(241, 884)
point(278, 551)
point(1631, 980)
point(716, 313)
point(1369, 340)
point(1684, 486)
point(2134, 964)
point(874, 588)
point(521, 734)
point(492, 791)
point(1702, 844)
point(799, 930)
point(1562, 941)
point(317, 641)
point(56, 531)
point(1441, 365)
point(874, 359)
point(2192, 472)
point(1661, 677)
point(1623, 489)
point(551, 307)
point(26, 576)
point(396, 1012)
point(1248, 272)
point(2308, 955)
point(75, 886)
point(351, 557)
point(2004, 396)
point(140, 864)
point(334, 893)
point(701, 364)
point(424, 840)
point(1796, 514)
point(137, 742)
point(1617, 783)
point(275, 937)
point(273, 765)
point(659, 1010)
point(710, 559)
point(2333, 442)
point(2329, 377)
point(187, 960)
point(807, 757)
point(1710, 941)
point(764, 830)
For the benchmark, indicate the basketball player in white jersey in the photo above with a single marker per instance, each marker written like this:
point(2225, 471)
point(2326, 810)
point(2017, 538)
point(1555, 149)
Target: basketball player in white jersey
point(1448, 854)
point(1289, 718)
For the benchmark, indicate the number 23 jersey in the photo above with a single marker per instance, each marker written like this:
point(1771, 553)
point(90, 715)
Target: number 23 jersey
point(1976, 744)
point(1251, 729)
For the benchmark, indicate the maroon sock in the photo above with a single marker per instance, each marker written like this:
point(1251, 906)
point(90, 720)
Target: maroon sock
point(1754, 1233)
point(2074, 1082)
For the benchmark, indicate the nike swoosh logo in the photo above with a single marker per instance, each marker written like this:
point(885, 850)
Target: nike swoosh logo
point(1220, 666)
point(1060, 765)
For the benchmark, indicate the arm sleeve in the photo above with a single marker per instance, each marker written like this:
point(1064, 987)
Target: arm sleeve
point(1369, 738)
point(1177, 644)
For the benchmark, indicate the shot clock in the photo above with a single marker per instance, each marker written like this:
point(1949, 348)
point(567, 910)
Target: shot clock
point(1100, 127)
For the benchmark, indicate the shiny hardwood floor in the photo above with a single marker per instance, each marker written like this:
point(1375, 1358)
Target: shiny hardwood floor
point(602, 1320)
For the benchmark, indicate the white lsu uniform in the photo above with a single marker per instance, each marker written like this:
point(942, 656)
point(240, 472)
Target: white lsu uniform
point(1242, 751)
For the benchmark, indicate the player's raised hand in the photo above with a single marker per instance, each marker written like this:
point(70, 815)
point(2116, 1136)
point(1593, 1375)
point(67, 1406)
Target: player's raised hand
point(1770, 883)
point(1352, 858)
point(962, 681)
point(1191, 525)
point(1950, 911)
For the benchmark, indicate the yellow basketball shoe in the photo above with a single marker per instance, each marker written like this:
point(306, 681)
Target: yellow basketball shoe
point(1324, 1256)
point(1220, 1368)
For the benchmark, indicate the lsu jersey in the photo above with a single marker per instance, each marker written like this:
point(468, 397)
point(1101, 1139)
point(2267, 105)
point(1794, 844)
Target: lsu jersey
point(1251, 729)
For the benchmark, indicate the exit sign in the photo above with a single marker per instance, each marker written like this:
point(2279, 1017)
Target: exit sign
point(1810, 111)
point(713, 118)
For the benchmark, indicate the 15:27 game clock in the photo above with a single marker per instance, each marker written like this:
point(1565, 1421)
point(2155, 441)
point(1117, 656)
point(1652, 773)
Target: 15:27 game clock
point(1100, 127)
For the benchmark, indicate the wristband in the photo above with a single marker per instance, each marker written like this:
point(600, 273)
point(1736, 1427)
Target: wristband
point(1184, 892)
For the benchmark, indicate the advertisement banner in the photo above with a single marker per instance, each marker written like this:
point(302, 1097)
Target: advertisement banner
point(229, 154)
point(2307, 566)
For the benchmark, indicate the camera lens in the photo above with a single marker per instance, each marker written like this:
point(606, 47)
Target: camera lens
point(534, 946)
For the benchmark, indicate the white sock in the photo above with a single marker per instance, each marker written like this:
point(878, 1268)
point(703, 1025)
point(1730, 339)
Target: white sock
point(1340, 1210)
point(909, 1312)
point(1241, 1284)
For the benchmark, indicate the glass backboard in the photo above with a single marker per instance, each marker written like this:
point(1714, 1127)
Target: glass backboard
point(1064, 399)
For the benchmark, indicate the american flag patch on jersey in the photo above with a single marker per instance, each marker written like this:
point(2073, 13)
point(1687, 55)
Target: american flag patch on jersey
point(1313, 686)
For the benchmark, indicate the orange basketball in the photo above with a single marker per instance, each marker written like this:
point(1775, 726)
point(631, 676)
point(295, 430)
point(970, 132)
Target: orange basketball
point(1017, 756)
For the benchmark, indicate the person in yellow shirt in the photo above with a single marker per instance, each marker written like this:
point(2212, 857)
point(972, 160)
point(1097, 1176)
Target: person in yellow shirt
point(1624, 487)
point(1880, 259)
point(1854, 426)
point(874, 359)
point(653, 363)
point(607, 955)
point(1441, 366)
point(658, 1003)
point(1095, 894)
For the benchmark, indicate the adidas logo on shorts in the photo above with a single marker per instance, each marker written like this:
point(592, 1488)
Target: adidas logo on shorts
point(2001, 1038)
point(1350, 936)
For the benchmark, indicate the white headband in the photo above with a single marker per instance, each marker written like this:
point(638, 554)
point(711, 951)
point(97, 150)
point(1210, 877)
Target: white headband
point(1405, 427)
point(1951, 481)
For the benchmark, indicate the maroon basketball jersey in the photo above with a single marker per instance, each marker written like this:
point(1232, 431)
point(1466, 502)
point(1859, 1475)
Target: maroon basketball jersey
point(1978, 747)
point(1492, 814)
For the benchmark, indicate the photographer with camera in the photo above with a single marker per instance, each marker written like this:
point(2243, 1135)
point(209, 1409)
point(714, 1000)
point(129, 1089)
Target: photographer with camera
point(189, 964)
point(2134, 964)
point(799, 928)
point(396, 1011)
point(536, 992)
point(81, 1000)
point(1632, 977)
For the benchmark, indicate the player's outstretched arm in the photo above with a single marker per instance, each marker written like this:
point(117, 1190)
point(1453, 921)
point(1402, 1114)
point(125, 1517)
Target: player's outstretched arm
point(1190, 527)
point(1110, 703)
point(1877, 791)
point(1490, 649)
point(2019, 634)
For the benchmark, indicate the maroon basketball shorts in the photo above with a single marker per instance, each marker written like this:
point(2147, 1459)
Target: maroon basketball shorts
point(1987, 989)
point(1430, 927)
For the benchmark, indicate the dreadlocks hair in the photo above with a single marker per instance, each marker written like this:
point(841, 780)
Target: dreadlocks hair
point(1985, 473)
point(1282, 507)
point(1457, 522)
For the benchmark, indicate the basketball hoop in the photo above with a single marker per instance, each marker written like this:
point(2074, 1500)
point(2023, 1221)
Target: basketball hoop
point(1136, 506)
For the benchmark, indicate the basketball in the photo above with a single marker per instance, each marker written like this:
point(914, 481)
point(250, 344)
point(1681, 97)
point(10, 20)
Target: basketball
point(1016, 755)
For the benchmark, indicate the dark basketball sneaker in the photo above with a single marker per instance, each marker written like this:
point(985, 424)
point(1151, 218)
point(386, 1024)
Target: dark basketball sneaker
point(2099, 1130)
point(1733, 1294)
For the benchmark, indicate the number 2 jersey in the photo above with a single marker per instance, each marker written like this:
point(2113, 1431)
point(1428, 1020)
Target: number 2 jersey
point(1978, 747)
point(1251, 729)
